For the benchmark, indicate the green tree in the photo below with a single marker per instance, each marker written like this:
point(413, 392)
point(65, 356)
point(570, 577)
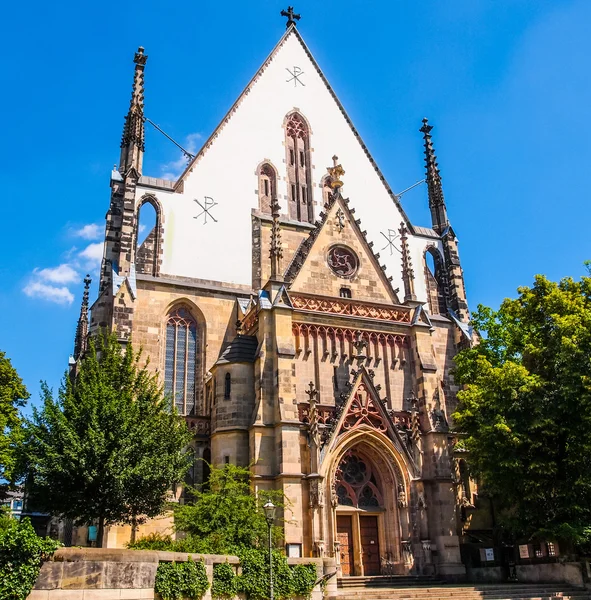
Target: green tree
point(525, 408)
point(109, 448)
point(13, 396)
point(227, 516)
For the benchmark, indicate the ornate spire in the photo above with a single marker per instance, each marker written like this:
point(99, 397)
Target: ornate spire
point(132, 141)
point(82, 328)
point(433, 178)
point(291, 17)
point(335, 172)
point(276, 251)
point(408, 274)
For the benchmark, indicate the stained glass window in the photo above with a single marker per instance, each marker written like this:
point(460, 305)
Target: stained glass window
point(180, 362)
point(356, 484)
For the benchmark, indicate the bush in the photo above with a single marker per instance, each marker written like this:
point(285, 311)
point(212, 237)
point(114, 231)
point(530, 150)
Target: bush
point(22, 552)
point(224, 581)
point(178, 580)
point(153, 541)
point(288, 582)
point(303, 579)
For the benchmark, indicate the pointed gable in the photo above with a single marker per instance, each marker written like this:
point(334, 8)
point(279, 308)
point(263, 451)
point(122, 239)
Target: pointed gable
point(362, 408)
point(214, 199)
point(337, 255)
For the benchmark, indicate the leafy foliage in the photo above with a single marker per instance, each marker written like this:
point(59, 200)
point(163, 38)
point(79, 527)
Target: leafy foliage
point(224, 581)
point(13, 395)
point(179, 580)
point(110, 447)
point(227, 515)
point(21, 554)
point(526, 408)
point(153, 541)
point(288, 582)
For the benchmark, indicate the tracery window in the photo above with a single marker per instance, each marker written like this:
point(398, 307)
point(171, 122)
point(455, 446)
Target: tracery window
point(356, 484)
point(267, 187)
point(299, 169)
point(180, 367)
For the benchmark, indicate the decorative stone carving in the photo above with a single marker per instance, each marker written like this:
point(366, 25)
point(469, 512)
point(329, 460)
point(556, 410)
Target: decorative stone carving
point(407, 555)
point(401, 496)
point(319, 548)
point(343, 262)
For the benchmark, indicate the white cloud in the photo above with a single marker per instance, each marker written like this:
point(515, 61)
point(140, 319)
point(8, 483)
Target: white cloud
point(92, 231)
point(93, 254)
point(51, 293)
point(62, 274)
point(141, 228)
point(173, 169)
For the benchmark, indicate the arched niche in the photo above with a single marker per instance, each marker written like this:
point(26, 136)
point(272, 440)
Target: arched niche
point(148, 236)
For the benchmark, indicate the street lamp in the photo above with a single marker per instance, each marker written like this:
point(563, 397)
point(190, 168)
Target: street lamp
point(269, 509)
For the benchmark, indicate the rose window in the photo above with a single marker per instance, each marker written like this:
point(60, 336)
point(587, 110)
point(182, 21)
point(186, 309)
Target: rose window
point(356, 484)
point(342, 261)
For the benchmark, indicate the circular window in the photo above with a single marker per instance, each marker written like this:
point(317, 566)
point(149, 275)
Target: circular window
point(342, 261)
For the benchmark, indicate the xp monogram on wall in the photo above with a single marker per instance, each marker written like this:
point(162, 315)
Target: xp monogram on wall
point(390, 238)
point(295, 76)
point(208, 204)
point(342, 261)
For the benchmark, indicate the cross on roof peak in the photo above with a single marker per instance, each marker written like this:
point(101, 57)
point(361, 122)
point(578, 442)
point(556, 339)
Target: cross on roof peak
point(291, 16)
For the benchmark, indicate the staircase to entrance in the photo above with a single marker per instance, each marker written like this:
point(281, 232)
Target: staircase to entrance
point(421, 588)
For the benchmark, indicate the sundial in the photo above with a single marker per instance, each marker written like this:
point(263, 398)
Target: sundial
point(208, 204)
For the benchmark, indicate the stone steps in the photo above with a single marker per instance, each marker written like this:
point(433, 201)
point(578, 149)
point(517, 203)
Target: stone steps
point(370, 589)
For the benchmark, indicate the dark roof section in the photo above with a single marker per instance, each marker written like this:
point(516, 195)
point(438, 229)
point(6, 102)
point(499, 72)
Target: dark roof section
point(242, 349)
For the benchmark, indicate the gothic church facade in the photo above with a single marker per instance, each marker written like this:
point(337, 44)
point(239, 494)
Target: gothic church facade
point(288, 341)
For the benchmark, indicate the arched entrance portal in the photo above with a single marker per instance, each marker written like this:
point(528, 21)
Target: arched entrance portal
point(367, 490)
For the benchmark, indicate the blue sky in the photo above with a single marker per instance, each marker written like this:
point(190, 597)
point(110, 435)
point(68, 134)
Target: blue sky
point(505, 83)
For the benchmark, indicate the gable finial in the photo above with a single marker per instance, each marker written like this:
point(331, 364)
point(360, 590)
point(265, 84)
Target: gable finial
point(81, 340)
point(408, 274)
point(276, 251)
point(291, 17)
point(132, 140)
point(433, 178)
point(335, 173)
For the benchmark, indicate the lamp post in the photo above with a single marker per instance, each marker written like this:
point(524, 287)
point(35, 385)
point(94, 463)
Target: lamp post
point(269, 509)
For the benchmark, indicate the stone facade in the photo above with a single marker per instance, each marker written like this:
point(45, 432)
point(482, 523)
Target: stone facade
point(330, 382)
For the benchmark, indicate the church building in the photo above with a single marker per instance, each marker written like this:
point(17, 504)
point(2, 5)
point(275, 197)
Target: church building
point(297, 318)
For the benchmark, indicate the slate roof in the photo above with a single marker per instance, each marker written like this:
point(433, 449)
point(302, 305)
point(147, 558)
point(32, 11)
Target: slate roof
point(242, 349)
point(426, 232)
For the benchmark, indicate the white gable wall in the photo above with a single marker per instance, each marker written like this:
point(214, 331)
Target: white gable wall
point(222, 250)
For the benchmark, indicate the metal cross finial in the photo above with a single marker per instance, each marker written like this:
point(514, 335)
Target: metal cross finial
point(291, 16)
point(87, 281)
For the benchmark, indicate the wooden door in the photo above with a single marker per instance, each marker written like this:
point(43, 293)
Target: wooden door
point(345, 538)
point(370, 545)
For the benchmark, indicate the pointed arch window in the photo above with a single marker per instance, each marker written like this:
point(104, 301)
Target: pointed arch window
point(148, 237)
point(267, 187)
point(299, 169)
point(435, 281)
point(181, 362)
point(356, 484)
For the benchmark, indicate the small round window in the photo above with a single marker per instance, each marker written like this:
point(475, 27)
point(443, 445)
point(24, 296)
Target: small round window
point(342, 261)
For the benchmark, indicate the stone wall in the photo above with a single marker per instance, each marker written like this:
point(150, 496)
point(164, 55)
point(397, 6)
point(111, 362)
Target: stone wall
point(571, 573)
point(112, 574)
